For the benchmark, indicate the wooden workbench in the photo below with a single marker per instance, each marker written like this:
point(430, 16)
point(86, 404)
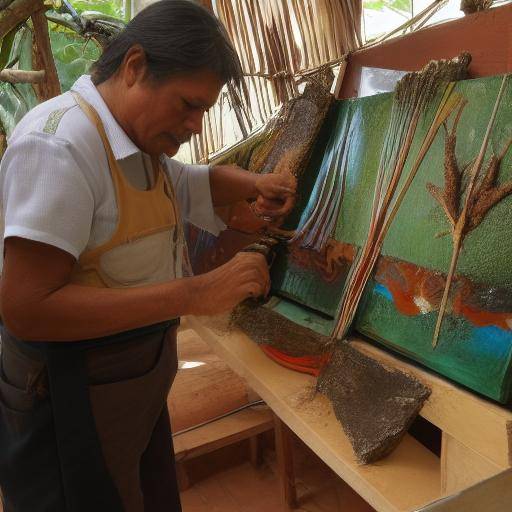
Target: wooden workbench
point(477, 435)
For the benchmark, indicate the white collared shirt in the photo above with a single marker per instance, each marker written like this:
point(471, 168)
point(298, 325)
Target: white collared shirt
point(55, 183)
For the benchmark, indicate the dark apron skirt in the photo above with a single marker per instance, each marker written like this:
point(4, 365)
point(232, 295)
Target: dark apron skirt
point(84, 425)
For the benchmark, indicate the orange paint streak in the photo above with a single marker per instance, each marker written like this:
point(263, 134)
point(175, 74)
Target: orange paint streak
point(480, 317)
point(305, 364)
point(403, 299)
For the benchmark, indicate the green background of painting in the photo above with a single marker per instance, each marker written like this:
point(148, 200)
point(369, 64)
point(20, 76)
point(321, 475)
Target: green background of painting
point(485, 257)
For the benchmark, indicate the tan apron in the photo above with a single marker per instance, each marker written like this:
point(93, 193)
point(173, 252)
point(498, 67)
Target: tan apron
point(128, 375)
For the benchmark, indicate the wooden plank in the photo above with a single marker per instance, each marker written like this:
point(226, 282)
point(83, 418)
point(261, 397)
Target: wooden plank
point(314, 422)
point(492, 495)
point(485, 35)
point(461, 467)
point(477, 423)
point(222, 432)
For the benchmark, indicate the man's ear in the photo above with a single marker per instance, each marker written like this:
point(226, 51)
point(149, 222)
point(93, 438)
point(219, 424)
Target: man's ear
point(133, 68)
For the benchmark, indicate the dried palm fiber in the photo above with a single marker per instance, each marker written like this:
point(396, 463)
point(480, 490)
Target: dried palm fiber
point(316, 225)
point(375, 405)
point(283, 146)
point(412, 94)
point(465, 209)
point(290, 134)
point(277, 40)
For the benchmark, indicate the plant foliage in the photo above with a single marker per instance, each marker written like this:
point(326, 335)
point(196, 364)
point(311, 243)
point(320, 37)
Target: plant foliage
point(77, 30)
point(395, 5)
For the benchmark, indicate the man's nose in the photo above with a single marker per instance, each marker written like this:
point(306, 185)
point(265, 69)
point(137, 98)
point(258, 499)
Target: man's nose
point(194, 122)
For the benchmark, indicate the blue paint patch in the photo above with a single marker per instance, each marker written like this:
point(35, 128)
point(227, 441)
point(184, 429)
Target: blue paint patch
point(382, 290)
point(492, 340)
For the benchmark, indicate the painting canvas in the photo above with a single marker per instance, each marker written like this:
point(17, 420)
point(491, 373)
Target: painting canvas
point(401, 302)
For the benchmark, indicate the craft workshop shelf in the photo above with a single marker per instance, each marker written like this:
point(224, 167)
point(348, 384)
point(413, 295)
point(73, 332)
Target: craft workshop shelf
point(406, 480)
point(476, 442)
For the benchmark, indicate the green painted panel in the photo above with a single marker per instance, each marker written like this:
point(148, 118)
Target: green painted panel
point(399, 307)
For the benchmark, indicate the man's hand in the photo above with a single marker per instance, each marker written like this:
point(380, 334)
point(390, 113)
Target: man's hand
point(246, 275)
point(276, 195)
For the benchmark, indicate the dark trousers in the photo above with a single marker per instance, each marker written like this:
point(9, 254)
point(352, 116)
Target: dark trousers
point(123, 460)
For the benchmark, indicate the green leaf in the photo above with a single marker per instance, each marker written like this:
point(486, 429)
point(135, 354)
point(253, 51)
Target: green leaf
point(7, 43)
point(110, 7)
point(379, 5)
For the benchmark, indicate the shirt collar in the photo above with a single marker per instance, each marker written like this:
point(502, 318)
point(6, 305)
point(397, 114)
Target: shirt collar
point(121, 144)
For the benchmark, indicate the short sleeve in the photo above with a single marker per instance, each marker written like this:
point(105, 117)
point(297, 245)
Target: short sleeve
point(192, 186)
point(45, 196)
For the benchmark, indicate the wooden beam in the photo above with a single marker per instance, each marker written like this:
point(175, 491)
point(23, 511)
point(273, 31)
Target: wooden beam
point(492, 495)
point(43, 59)
point(222, 432)
point(485, 35)
point(284, 453)
point(462, 467)
point(19, 76)
point(18, 12)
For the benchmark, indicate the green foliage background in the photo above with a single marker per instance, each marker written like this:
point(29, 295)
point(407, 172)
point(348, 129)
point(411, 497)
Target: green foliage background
point(397, 5)
point(73, 55)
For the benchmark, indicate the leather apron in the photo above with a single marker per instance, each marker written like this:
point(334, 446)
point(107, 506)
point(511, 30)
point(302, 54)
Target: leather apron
point(84, 425)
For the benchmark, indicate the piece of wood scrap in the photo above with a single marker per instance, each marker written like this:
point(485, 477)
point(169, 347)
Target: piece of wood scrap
point(222, 432)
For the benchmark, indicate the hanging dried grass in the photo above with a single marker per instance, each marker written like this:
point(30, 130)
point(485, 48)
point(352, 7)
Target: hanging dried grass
point(276, 41)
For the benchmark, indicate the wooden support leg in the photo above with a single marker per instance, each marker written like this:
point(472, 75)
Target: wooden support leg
point(182, 476)
point(284, 452)
point(462, 467)
point(255, 451)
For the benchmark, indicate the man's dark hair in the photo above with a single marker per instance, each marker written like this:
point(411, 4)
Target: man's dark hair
point(177, 36)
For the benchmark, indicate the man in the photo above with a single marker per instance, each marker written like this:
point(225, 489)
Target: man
point(92, 282)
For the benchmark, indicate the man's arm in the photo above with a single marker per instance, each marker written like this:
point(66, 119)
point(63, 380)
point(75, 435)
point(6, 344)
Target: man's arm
point(275, 192)
point(38, 302)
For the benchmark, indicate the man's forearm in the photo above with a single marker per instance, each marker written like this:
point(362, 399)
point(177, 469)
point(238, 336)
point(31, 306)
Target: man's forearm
point(76, 312)
point(230, 183)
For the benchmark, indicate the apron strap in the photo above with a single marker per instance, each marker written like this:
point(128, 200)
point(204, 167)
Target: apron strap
point(85, 479)
point(87, 484)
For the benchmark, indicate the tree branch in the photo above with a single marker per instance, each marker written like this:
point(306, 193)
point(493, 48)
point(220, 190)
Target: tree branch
point(43, 59)
point(18, 12)
point(18, 76)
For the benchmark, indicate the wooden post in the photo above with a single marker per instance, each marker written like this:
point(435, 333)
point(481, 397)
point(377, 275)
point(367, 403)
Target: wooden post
point(43, 59)
point(284, 452)
point(462, 467)
point(256, 455)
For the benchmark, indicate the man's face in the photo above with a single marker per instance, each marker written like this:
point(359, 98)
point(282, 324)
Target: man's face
point(162, 116)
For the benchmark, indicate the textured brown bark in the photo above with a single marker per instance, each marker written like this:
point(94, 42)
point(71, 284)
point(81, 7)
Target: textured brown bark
point(17, 12)
point(3, 143)
point(43, 59)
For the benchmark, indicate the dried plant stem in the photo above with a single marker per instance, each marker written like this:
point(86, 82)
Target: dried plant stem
point(378, 229)
point(459, 230)
point(448, 104)
point(412, 95)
